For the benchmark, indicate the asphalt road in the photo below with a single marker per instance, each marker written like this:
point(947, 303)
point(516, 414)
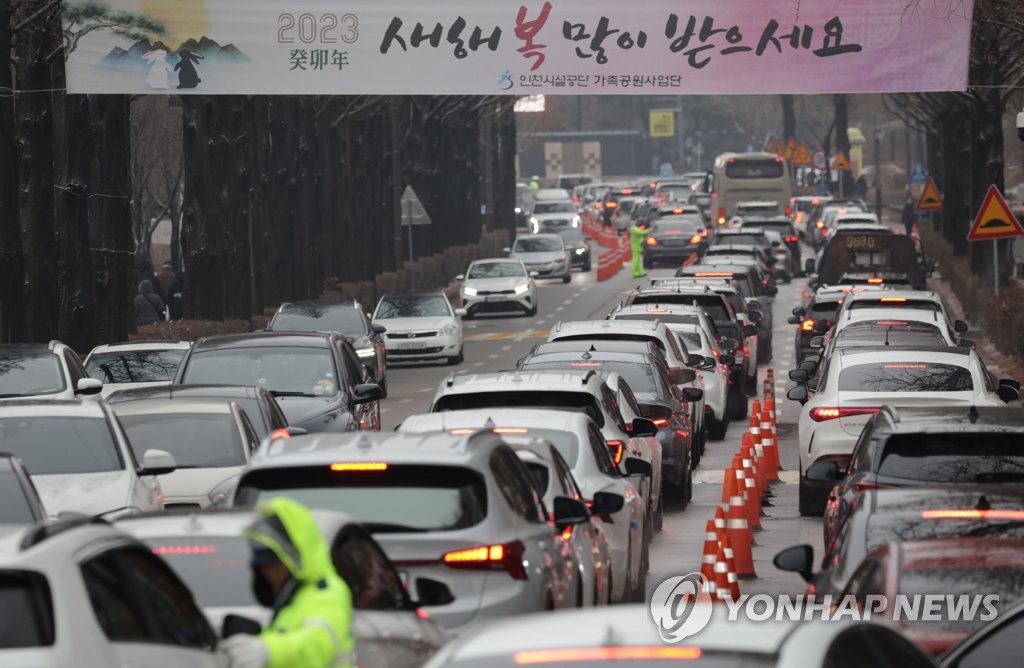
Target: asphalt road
point(495, 343)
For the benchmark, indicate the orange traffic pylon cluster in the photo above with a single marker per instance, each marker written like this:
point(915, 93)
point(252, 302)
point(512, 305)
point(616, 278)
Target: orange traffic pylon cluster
point(745, 491)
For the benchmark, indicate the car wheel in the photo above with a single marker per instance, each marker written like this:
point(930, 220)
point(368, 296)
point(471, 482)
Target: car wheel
point(808, 505)
point(736, 403)
point(586, 267)
point(457, 359)
point(718, 428)
point(566, 278)
point(659, 512)
point(533, 311)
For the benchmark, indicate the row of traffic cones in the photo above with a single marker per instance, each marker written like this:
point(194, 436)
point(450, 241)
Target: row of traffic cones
point(728, 544)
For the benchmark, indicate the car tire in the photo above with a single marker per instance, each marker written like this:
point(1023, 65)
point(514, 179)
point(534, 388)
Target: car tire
point(566, 278)
point(718, 428)
point(587, 267)
point(736, 403)
point(809, 506)
point(457, 359)
point(659, 513)
point(532, 312)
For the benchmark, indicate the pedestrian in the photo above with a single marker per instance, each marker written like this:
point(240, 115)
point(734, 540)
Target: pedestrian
point(292, 574)
point(534, 182)
point(149, 308)
point(637, 236)
point(170, 284)
point(909, 215)
point(860, 187)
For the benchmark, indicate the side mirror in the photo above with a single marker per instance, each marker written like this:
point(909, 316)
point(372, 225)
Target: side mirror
point(234, 625)
point(809, 266)
point(682, 376)
point(727, 359)
point(637, 466)
point(794, 320)
point(460, 312)
point(776, 244)
point(693, 393)
point(86, 386)
point(569, 512)
point(825, 471)
point(607, 503)
point(296, 431)
point(729, 344)
point(749, 330)
point(960, 326)
point(798, 393)
point(644, 427)
point(157, 462)
point(1008, 393)
point(367, 392)
point(379, 329)
point(812, 385)
point(432, 592)
point(809, 365)
point(799, 312)
point(1010, 382)
point(966, 343)
point(820, 326)
point(696, 361)
point(460, 277)
point(756, 317)
point(816, 342)
point(799, 376)
point(797, 559)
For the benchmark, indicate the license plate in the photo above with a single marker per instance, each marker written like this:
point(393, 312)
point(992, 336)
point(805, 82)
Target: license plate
point(411, 345)
point(497, 298)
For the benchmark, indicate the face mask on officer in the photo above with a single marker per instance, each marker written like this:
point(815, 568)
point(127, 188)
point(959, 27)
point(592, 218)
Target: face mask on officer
point(269, 575)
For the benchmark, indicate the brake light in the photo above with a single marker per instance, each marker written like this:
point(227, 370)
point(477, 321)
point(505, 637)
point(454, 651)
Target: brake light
point(501, 557)
point(713, 274)
point(695, 239)
point(792, 239)
point(657, 310)
point(279, 433)
point(789, 211)
point(677, 211)
point(876, 281)
point(721, 216)
point(778, 159)
point(703, 232)
point(462, 432)
point(807, 325)
point(586, 364)
point(567, 533)
point(889, 300)
point(422, 614)
point(815, 202)
point(580, 655)
point(185, 549)
point(611, 205)
point(973, 514)
point(575, 200)
point(618, 448)
point(598, 205)
point(896, 323)
point(651, 241)
point(904, 366)
point(627, 191)
point(823, 414)
point(511, 430)
point(359, 466)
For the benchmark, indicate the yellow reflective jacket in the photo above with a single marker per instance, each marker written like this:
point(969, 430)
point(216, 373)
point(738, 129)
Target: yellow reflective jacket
point(311, 627)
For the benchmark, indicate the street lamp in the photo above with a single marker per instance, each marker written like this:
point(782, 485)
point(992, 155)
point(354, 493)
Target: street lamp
point(878, 172)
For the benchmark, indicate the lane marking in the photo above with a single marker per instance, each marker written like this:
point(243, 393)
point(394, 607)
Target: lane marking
point(478, 363)
point(559, 309)
point(427, 389)
point(493, 356)
point(506, 347)
point(567, 302)
point(407, 400)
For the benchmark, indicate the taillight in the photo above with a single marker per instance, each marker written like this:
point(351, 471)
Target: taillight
point(789, 211)
point(651, 241)
point(695, 239)
point(807, 325)
point(823, 414)
point(599, 205)
point(876, 281)
point(618, 448)
point(792, 239)
point(859, 487)
point(821, 225)
point(721, 216)
point(575, 200)
point(567, 533)
point(507, 557)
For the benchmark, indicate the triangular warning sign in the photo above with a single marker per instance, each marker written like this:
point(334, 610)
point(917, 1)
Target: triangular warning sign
point(930, 199)
point(995, 220)
point(841, 163)
point(790, 149)
point(803, 157)
point(776, 146)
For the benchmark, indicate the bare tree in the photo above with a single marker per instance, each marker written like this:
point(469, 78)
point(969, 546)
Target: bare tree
point(157, 171)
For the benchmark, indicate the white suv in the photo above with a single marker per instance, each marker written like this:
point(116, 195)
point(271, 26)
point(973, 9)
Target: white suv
point(43, 371)
point(86, 594)
point(120, 366)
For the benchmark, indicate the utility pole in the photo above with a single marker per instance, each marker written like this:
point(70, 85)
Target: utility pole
point(396, 184)
point(488, 207)
point(878, 172)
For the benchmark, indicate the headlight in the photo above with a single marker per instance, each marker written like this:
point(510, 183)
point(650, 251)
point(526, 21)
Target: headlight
point(581, 251)
point(466, 290)
point(222, 494)
point(576, 221)
point(448, 330)
point(366, 353)
point(522, 289)
point(518, 210)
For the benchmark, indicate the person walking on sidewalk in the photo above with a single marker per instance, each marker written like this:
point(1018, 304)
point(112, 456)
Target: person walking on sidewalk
point(149, 308)
point(909, 215)
point(637, 236)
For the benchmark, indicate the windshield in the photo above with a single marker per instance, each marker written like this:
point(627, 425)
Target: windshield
point(676, 226)
point(955, 457)
point(496, 270)
point(546, 244)
point(61, 445)
point(196, 440)
point(142, 366)
point(342, 318)
point(400, 498)
point(412, 306)
point(905, 377)
point(639, 376)
point(580, 402)
point(742, 240)
point(306, 371)
point(571, 236)
point(14, 506)
point(554, 207)
point(24, 375)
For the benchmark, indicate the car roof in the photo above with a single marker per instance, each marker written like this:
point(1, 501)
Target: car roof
point(995, 419)
point(926, 353)
point(576, 326)
point(185, 392)
point(262, 340)
point(141, 345)
point(531, 418)
point(519, 381)
point(681, 309)
point(14, 350)
point(545, 235)
point(52, 408)
point(324, 448)
point(172, 406)
point(896, 293)
point(487, 260)
point(604, 345)
point(585, 355)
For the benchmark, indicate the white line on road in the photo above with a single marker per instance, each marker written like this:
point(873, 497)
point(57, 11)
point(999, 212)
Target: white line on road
point(567, 302)
point(478, 363)
point(559, 309)
point(493, 356)
point(407, 400)
point(506, 347)
point(427, 389)
point(575, 295)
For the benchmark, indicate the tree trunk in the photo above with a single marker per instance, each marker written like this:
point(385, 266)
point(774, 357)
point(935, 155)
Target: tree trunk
point(12, 285)
point(788, 117)
point(842, 123)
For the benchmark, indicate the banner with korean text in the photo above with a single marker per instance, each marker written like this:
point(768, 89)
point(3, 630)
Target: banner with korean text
point(515, 47)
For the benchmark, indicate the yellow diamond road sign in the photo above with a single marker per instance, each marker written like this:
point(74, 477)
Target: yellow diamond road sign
point(663, 123)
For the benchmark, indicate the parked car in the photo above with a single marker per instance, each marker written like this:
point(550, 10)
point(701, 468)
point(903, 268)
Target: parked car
point(135, 364)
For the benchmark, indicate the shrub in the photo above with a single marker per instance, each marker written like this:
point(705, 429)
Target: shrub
point(190, 330)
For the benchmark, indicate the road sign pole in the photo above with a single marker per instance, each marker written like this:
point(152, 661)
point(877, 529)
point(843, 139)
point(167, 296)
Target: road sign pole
point(995, 263)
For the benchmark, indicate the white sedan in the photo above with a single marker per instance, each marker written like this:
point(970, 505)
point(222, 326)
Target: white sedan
point(420, 326)
point(856, 382)
point(498, 285)
point(714, 374)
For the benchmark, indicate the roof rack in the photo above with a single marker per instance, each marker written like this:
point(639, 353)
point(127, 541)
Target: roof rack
point(66, 522)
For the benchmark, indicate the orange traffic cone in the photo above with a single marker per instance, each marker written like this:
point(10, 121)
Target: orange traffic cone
point(774, 461)
point(755, 407)
point(746, 492)
point(734, 580)
point(754, 425)
point(720, 520)
point(707, 562)
point(741, 539)
point(722, 590)
point(729, 488)
point(750, 461)
point(753, 497)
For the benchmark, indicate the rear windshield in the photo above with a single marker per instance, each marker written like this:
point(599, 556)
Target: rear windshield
point(625, 656)
point(554, 207)
point(30, 375)
point(564, 441)
point(14, 506)
point(905, 377)
point(742, 240)
point(712, 305)
point(26, 595)
point(143, 366)
point(783, 228)
point(676, 226)
point(769, 168)
point(965, 581)
point(639, 376)
point(215, 568)
point(675, 190)
point(398, 498)
point(960, 458)
point(304, 371)
point(890, 336)
point(667, 318)
point(580, 402)
point(894, 302)
point(196, 440)
point(342, 318)
point(60, 445)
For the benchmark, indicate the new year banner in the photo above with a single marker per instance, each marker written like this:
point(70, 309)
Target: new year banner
point(486, 47)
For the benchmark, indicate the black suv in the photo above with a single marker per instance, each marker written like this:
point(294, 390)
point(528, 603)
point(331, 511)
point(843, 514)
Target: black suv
point(347, 318)
point(316, 378)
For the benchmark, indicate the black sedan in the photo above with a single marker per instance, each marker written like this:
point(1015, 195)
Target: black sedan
point(577, 247)
point(674, 239)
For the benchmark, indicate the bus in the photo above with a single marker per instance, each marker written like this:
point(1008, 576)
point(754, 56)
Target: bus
point(744, 177)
